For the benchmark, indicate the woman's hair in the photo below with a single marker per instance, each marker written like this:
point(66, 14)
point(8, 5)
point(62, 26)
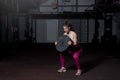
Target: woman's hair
point(67, 24)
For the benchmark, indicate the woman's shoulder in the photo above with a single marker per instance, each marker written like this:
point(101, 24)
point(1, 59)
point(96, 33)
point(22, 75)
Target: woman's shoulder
point(73, 32)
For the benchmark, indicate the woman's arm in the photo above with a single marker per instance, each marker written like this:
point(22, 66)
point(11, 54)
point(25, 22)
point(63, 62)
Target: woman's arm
point(75, 39)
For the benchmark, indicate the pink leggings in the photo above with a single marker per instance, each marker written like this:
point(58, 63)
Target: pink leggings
point(75, 56)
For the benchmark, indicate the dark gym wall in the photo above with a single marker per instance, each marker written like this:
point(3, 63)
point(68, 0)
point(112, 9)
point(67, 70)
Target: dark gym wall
point(18, 25)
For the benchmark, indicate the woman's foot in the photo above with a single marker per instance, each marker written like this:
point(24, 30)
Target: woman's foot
point(78, 73)
point(62, 69)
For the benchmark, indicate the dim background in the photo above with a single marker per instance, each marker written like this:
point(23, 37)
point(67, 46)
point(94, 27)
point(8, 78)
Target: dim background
point(98, 20)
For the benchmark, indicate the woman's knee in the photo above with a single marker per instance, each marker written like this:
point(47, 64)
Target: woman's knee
point(75, 56)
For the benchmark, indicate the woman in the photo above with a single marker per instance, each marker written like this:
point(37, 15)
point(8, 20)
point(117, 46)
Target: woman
point(74, 46)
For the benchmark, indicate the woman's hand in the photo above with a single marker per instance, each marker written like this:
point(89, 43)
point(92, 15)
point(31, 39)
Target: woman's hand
point(69, 42)
point(55, 42)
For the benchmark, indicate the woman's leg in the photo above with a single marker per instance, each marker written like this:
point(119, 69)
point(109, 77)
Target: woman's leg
point(62, 62)
point(76, 59)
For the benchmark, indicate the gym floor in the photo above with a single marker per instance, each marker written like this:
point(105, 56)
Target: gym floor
point(41, 62)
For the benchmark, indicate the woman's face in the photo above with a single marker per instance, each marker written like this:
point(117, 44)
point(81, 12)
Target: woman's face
point(66, 29)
